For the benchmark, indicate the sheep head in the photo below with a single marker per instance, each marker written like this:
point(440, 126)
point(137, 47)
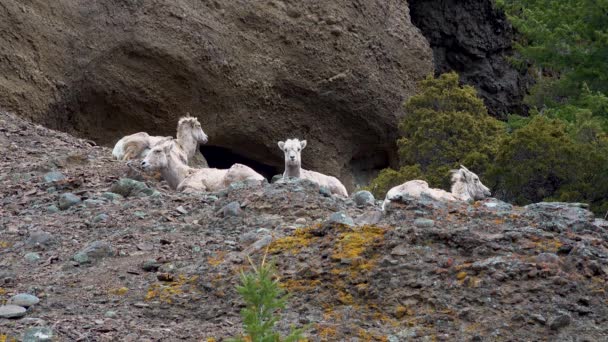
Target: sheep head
point(293, 151)
point(189, 126)
point(158, 157)
point(467, 186)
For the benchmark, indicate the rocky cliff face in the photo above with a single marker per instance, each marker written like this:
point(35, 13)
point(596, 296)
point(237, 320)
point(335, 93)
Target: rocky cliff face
point(335, 73)
point(474, 38)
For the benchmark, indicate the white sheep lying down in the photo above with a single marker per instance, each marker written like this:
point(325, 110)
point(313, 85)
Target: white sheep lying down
point(293, 168)
point(466, 187)
point(169, 158)
point(136, 146)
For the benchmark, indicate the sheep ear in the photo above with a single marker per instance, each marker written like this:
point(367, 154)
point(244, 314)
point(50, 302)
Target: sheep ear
point(303, 144)
point(281, 144)
point(463, 174)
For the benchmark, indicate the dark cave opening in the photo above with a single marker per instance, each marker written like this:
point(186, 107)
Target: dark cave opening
point(223, 158)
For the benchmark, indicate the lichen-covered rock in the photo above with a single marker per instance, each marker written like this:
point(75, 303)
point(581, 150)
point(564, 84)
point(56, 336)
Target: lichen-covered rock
point(560, 216)
point(23, 299)
point(12, 311)
point(363, 198)
point(129, 187)
point(340, 218)
point(94, 252)
point(67, 200)
point(40, 239)
point(38, 334)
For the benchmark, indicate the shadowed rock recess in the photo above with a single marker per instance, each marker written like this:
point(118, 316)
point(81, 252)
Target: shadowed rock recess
point(254, 72)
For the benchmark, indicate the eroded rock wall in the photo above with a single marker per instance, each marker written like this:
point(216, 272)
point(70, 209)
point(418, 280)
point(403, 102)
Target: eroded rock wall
point(335, 73)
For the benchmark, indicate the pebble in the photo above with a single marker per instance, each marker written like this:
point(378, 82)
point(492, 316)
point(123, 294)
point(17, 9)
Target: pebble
point(139, 214)
point(151, 265)
point(91, 203)
point(548, 258)
point(560, 321)
point(52, 209)
point(94, 251)
point(539, 318)
point(370, 217)
point(38, 334)
point(100, 218)
point(232, 209)
point(363, 198)
point(258, 245)
point(67, 200)
point(424, 223)
point(39, 239)
point(54, 176)
point(400, 250)
point(12, 311)
point(110, 314)
point(32, 257)
point(112, 196)
point(324, 191)
point(23, 299)
point(341, 218)
point(301, 221)
point(129, 187)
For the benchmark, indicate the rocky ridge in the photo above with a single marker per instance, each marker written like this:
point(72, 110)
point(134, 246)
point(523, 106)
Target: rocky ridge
point(152, 264)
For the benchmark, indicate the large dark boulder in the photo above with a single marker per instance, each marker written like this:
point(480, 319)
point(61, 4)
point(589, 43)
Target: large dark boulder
point(474, 38)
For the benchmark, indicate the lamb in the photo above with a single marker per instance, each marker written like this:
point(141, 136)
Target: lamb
point(136, 146)
point(293, 168)
point(466, 187)
point(168, 157)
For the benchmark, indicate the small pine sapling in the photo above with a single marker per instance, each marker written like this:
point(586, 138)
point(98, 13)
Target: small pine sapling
point(263, 298)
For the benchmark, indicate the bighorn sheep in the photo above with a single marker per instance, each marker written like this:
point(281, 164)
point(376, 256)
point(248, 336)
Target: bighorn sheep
point(168, 157)
point(466, 186)
point(136, 146)
point(293, 168)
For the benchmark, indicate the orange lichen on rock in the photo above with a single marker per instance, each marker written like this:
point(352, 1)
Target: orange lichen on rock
point(369, 337)
point(217, 259)
point(550, 245)
point(121, 291)
point(402, 311)
point(165, 292)
point(327, 333)
point(300, 285)
point(293, 243)
point(353, 242)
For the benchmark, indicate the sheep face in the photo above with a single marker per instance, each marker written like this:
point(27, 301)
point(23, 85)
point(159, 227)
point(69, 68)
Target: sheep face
point(293, 151)
point(469, 183)
point(157, 158)
point(189, 126)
